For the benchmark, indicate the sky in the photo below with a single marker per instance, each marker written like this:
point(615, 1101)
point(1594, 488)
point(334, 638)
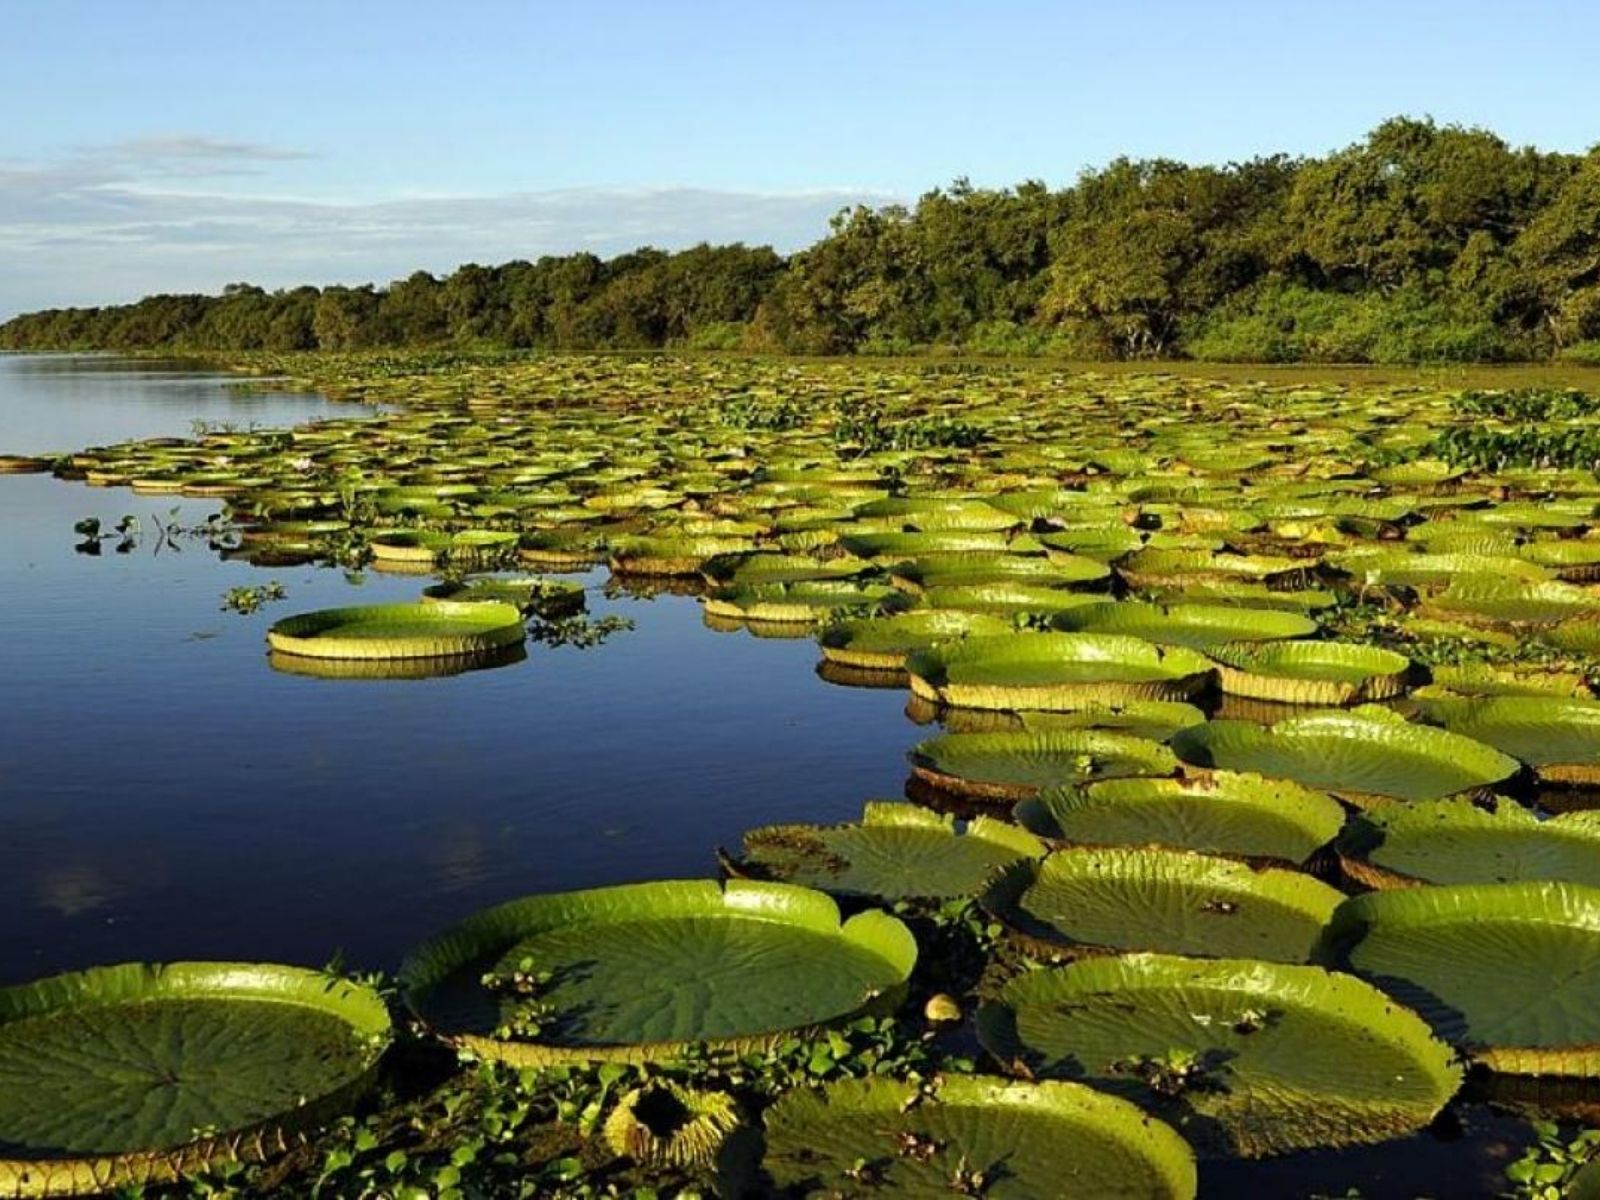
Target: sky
point(179, 145)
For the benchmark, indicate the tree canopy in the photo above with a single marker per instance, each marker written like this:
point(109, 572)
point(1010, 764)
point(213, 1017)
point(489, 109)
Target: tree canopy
point(1421, 242)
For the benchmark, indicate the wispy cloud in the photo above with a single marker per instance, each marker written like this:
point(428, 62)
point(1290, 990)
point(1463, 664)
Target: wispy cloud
point(159, 148)
point(113, 222)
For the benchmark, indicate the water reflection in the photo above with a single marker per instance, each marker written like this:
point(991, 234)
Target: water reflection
point(395, 668)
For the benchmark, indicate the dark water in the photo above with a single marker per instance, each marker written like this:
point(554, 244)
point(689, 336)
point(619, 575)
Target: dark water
point(165, 794)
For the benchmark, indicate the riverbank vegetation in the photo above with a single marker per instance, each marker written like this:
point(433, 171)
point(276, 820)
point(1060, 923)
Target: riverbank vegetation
point(1420, 243)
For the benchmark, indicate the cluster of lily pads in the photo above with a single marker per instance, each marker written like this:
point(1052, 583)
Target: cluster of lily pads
point(1267, 746)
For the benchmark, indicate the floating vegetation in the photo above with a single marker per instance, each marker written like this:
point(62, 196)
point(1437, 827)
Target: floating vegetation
point(1238, 816)
point(896, 852)
point(1509, 972)
point(646, 971)
point(1240, 1056)
point(442, 629)
point(1364, 756)
point(126, 1076)
point(972, 1136)
point(1055, 671)
point(1456, 841)
point(1013, 765)
point(1098, 900)
point(1170, 626)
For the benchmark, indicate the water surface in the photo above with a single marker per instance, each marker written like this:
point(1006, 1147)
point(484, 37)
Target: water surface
point(165, 794)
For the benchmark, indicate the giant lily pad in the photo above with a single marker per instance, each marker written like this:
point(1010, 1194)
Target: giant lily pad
point(882, 643)
point(439, 629)
point(1455, 841)
point(1310, 672)
point(1558, 737)
point(1510, 972)
point(1495, 600)
point(800, 603)
point(1055, 671)
point(645, 970)
point(1238, 816)
point(1010, 765)
point(548, 597)
point(1197, 626)
point(1154, 719)
point(1094, 900)
point(972, 1135)
point(896, 852)
point(1243, 1057)
point(140, 1074)
point(1010, 599)
point(668, 555)
point(975, 567)
point(1363, 758)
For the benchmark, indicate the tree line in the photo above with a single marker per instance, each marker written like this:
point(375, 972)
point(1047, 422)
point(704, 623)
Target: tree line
point(1421, 242)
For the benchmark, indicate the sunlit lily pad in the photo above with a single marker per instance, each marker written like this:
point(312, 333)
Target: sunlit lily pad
point(141, 1074)
point(1009, 1141)
point(643, 971)
point(1197, 626)
point(1311, 672)
point(1243, 1057)
point(895, 852)
point(1510, 972)
point(1363, 758)
point(441, 629)
point(1011, 765)
point(1239, 816)
point(1095, 900)
point(1055, 671)
point(1455, 841)
point(882, 643)
point(1559, 737)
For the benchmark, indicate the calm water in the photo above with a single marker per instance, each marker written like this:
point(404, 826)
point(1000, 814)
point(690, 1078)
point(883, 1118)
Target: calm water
point(165, 794)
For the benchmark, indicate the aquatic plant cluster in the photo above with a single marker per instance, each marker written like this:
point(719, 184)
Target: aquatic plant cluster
point(1261, 816)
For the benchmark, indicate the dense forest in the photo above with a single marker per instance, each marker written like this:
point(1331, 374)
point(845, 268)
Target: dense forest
point(1422, 242)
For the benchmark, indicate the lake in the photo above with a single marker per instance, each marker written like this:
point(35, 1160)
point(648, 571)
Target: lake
point(166, 794)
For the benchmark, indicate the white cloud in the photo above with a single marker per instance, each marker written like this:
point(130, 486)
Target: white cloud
point(110, 223)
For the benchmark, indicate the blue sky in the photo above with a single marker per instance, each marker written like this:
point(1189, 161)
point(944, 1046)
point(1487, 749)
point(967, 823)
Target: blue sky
point(175, 145)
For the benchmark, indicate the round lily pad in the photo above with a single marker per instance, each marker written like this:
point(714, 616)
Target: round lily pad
point(139, 1074)
point(1055, 671)
point(1238, 816)
point(1243, 1057)
point(1311, 672)
point(1456, 841)
point(1558, 737)
point(977, 567)
point(1093, 900)
point(644, 971)
point(882, 643)
point(1496, 600)
point(972, 1135)
point(440, 629)
point(1362, 757)
point(547, 597)
point(800, 603)
point(896, 852)
point(1011, 765)
point(1008, 599)
point(1197, 626)
point(1157, 720)
point(1510, 972)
